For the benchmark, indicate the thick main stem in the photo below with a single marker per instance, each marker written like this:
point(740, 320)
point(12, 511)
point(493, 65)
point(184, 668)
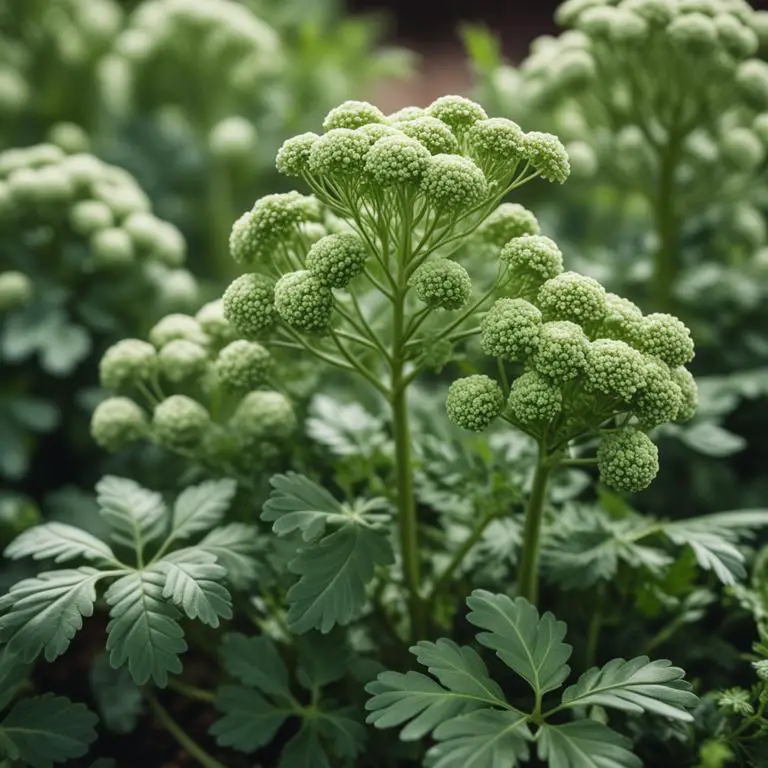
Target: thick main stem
point(666, 257)
point(528, 573)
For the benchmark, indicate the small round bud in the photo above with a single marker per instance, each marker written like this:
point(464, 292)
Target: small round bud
point(249, 304)
point(458, 113)
point(375, 131)
point(739, 40)
point(432, 133)
point(743, 149)
point(256, 234)
point(749, 225)
point(510, 329)
point(689, 392)
point(55, 185)
point(340, 152)
point(562, 351)
point(337, 259)
point(127, 362)
point(656, 12)
point(534, 258)
point(243, 365)
point(69, 137)
point(454, 183)
point(568, 12)
point(627, 28)
point(45, 154)
point(574, 297)
point(124, 199)
point(112, 247)
point(352, 114)
point(178, 288)
point(660, 398)
point(534, 399)
point(628, 460)
point(760, 127)
point(666, 337)
point(442, 283)
point(88, 216)
point(24, 185)
point(303, 301)
point(180, 422)
point(573, 71)
point(181, 359)
point(213, 322)
point(177, 326)
point(752, 82)
point(596, 21)
point(615, 369)
point(233, 138)
point(546, 153)
point(496, 143)
point(623, 319)
point(508, 221)
point(293, 155)
point(16, 290)
point(474, 402)
point(406, 113)
point(116, 422)
point(83, 169)
point(397, 160)
point(160, 239)
point(263, 417)
point(693, 32)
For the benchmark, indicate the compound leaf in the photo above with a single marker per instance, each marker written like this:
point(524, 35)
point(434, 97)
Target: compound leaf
point(255, 662)
point(47, 729)
point(59, 542)
point(44, 612)
point(144, 631)
point(201, 507)
point(192, 582)
point(135, 514)
point(249, 721)
point(584, 744)
point(486, 738)
point(527, 643)
point(636, 686)
point(334, 574)
point(235, 546)
point(304, 750)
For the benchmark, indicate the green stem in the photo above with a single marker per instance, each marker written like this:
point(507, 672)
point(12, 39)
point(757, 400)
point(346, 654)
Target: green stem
point(182, 737)
point(528, 573)
point(191, 691)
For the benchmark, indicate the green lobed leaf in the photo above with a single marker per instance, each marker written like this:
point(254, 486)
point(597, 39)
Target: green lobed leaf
point(202, 507)
point(43, 613)
point(59, 542)
point(255, 661)
point(118, 699)
point(528, 644)
point(235, 547)
point(144, 631)
point(192, 582)
point(135, 514)
point(334, 575)
point(47, 729)
point(486, 738)
point(249, 721)
point(584, 744)
point(305, 750)
point(636, 686)
point(13, 672)
point(322, 659)
point(342, 728)
point(299, 504)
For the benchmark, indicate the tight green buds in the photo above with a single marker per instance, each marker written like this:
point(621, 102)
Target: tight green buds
point(474, 402)
point(126, 363)
point(249, 304)
point(116, 422)
point(303, 301)
point(180, 422)
point(628, 460)
point(243, 365)
point(442, 283)
point(511, 329)
point(336, 260)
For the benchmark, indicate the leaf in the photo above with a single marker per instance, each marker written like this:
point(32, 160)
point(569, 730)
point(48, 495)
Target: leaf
point(60, 542)
point(528, 644)
point(255, 661)
point(584, 744)
point(334, 574)
point(712, 440)
point(464, 686)
point(63, 348)
point(486, 738)
point(118, 699)
point(636, 686)
point(192, 582)
point(144, 631)
point(13, 672)
point(135, 514)
point(202, 507)
point(234, 546)
point(346, 429)
point(298, 504)
point(343, 730)
point(322, 659)
point(304, 750)
point(46, 611)
point(47, 729)
point(249, 720)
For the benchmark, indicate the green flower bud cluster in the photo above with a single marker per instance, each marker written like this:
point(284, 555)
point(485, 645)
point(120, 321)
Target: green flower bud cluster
point(16, 290)
point(103, 205)
point(164, 41)
point(223, 407)
point(585, 362)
